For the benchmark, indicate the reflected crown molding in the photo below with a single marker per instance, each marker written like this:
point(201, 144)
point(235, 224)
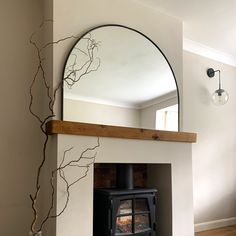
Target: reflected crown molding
point(208, 52)
point(77, 97)
point(158, 100)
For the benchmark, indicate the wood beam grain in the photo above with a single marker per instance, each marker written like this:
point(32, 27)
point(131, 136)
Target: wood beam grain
point(77, 128)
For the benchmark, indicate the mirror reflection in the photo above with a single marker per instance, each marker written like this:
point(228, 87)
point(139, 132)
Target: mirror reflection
point(117, 76)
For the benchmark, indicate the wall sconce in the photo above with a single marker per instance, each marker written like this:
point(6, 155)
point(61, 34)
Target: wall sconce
point(220, 96)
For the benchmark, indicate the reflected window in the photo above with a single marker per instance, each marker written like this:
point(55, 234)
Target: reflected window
point(167, 118)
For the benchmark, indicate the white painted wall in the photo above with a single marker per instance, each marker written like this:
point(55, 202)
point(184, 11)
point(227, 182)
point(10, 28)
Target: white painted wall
point(80, 111)
point(214, 162)
point(20, 136)
point(78, 217)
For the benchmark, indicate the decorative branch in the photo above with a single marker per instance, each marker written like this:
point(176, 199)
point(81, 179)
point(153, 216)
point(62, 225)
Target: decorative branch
point(61, 171)
point(74, 74)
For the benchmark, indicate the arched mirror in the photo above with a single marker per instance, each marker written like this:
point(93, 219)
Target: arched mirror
point(115, 75)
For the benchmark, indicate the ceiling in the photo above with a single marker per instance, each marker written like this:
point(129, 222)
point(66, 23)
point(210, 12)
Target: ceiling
point(208, 22)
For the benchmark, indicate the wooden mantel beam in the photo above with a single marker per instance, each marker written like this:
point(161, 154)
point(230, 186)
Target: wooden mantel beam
point(77, 128)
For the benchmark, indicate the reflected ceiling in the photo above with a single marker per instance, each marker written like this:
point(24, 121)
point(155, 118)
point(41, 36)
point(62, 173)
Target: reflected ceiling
point(131, 71)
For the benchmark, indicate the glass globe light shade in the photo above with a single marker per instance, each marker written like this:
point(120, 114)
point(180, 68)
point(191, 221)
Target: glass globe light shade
point(220, 97)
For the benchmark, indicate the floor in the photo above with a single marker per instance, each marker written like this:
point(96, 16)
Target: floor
point(227, 231)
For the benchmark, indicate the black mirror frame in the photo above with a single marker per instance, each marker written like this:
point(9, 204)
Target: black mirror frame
point(129, 28)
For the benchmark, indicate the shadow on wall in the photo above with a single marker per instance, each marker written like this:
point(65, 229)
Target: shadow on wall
point(214, 207)
point(204, 95)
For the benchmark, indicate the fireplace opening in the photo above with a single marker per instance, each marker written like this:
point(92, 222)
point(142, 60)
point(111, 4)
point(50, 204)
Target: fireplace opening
point(125, 209)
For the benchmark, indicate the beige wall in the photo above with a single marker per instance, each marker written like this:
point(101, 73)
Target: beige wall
point(20, 136)
point(214, 162)
point(75, 110)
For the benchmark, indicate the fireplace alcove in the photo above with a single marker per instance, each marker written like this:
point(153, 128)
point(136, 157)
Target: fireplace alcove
point(168, 156)
point(127, 203)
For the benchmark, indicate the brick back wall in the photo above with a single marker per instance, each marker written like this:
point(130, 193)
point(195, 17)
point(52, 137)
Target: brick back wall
point(105, 175)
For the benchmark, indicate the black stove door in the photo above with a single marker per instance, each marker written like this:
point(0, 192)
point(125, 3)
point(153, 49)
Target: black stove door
point(133, 215)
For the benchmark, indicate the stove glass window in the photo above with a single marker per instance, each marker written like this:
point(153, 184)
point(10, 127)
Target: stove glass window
point(124, 225)
point(125, 207)
point(141, 223)
point(141, 205)
point(133, 216)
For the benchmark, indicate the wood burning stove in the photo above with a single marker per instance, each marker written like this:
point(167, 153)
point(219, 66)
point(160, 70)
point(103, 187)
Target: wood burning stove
point(124, 210)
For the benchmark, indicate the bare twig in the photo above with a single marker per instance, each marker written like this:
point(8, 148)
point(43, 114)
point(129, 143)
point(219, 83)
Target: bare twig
point(73, 76)
point(61, 171)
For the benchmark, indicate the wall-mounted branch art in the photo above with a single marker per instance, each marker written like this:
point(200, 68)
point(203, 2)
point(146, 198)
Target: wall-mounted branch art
point(75, 72)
